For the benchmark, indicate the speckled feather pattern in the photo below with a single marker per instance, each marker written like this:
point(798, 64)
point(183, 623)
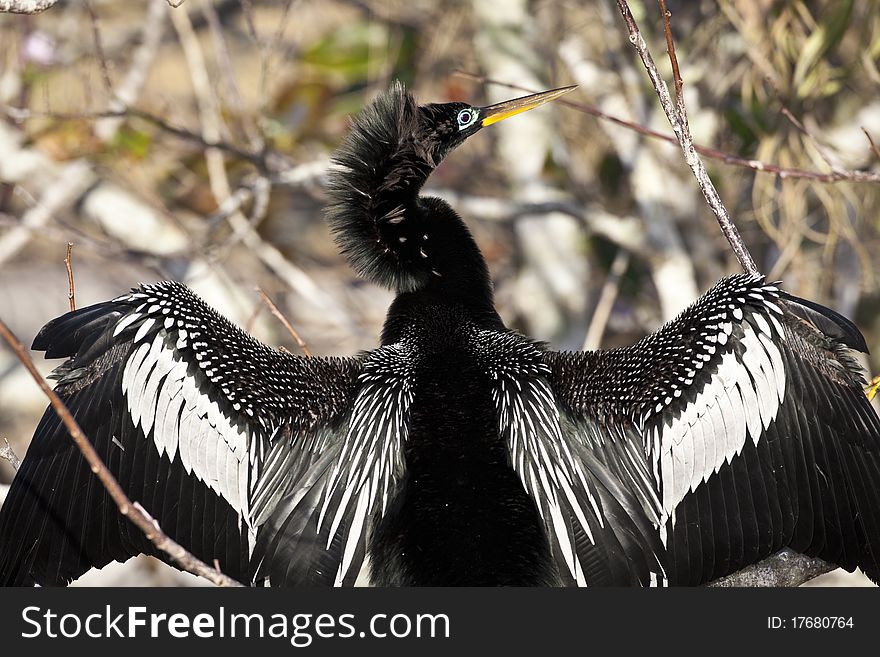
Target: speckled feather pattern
point(265, 384)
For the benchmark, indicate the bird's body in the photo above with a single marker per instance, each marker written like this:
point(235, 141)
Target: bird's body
point(460, 515)
point(458, 452)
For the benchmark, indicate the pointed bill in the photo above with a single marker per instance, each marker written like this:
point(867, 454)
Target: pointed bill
point(500, 111)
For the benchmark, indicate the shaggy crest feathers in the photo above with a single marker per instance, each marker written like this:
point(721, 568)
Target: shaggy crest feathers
point(377, 159)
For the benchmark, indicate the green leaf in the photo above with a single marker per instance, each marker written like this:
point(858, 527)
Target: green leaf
point(131, 142)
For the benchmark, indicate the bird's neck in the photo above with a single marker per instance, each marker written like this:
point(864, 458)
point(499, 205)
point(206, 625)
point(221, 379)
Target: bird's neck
point(451, 271)
point(393, 236)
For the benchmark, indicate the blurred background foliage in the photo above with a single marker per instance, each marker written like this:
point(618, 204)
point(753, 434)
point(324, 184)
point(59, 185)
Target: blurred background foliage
point(593, 232)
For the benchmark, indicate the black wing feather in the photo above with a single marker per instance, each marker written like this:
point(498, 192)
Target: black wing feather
point(58, 521)
point(800, 445)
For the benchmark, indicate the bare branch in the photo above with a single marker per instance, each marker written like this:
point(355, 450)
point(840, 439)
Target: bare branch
point(209, 114)
point(257, 190)
point(678, 120)
point(244, 230)
point(25, 6)
point(873, 145)
point(8, 454)
point(785, 568)
point(224, 62)
point(607, 297)
point(187, 135)
point(274, 309)
point(132, 510)
point(809, 135)
point(670, 50)
point(99, 46)
point(71, 288)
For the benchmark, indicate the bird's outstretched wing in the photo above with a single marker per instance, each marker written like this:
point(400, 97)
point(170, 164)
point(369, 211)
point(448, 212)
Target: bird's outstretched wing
point(754, 425)
point(600, 529)
point(325, 519)
point(210, 430)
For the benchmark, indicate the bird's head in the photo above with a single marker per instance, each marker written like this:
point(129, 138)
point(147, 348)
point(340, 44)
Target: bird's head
point(387, 231)
point(441, 127)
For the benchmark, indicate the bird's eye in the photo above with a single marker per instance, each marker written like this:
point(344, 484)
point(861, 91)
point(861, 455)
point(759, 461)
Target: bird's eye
point(466, 118)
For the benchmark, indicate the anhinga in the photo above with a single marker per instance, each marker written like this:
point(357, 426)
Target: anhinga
point(458, 451)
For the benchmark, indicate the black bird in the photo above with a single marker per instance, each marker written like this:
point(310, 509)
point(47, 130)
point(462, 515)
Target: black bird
point(458, 451)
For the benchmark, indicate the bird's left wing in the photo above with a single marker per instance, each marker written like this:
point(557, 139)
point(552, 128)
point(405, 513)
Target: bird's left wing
point(753, 421)
point(204, 426)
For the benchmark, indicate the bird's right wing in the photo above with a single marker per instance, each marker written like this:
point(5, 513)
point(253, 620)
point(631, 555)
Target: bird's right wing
point(325, 519)
point(600, 530)
point(214, 433)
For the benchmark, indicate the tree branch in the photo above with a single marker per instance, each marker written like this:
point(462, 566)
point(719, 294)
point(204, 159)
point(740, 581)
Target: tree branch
point(8, 454)
point(25, 6)
point(874, 149)
point(285, 322)
point(132, 510)
point(607, 297)
point(258, 160)
point(785, 568)
point(71, 288)
point(678, 120)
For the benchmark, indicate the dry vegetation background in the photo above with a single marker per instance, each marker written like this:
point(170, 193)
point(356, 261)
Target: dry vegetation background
point(191, 143)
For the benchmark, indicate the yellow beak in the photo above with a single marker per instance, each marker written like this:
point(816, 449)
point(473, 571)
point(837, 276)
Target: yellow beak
point(500, 111)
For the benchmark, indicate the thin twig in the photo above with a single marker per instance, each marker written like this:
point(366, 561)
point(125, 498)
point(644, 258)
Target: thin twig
point(682, 130)
point(99, 47)
point(706, 151)
point(132, 510)
point(680, 105)
point(267, 54)
point(224, 62)
point(71, 288)
point(670, 50)
point(874, 149)
point(607, 297)
point(809, 135)
point(257, 160)
point(281, 318)
point(8, 454)
point(66, 190)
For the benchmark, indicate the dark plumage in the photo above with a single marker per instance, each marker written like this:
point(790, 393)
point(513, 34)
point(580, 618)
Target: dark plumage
point(389, 233)
point(457, 452)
